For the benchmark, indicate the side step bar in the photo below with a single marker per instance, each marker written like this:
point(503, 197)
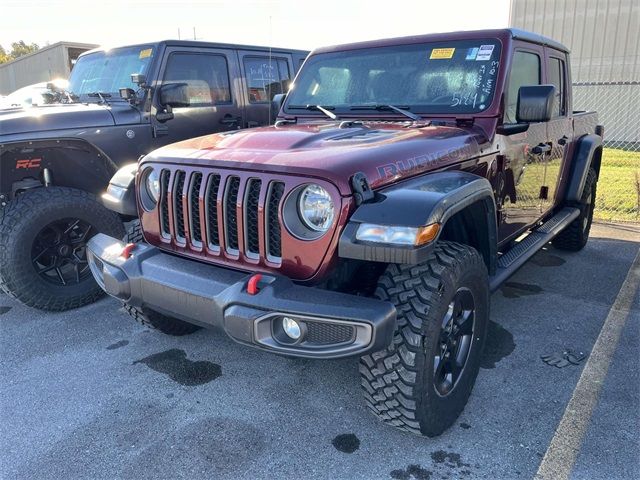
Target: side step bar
point(510, 261)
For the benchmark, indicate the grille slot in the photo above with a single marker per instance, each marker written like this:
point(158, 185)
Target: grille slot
point(231, 214)
point(320, 333)
point(211, 211)
point(178, 206)
point(194, 209)
point(252, 198)
point(273, 233)
point(164, 202)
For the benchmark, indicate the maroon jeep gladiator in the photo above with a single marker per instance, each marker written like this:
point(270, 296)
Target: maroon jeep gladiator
point(404, 180)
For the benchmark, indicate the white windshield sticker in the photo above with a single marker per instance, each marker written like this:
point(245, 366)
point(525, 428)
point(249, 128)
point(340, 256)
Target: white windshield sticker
point(484, 53)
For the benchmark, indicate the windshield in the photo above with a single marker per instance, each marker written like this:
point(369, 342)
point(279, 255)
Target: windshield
point(109, 71)
point(440, 77)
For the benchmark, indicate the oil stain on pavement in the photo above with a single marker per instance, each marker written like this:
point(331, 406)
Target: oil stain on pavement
point(517, 290)
point(175, 364)
point(499, 344)
point(120, 344)
point(411, 472)
point(346, 443)
point(545, 259)
point(450, 459)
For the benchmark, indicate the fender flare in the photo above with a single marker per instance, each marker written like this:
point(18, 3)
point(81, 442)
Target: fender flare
point(583, 157)
point(91, 172)
point(429, 199)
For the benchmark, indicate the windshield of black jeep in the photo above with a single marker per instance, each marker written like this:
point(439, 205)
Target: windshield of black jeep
point(440, 77)
point(106, 72)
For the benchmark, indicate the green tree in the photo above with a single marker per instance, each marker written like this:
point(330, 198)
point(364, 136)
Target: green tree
point(20, 48)
point(4, 58)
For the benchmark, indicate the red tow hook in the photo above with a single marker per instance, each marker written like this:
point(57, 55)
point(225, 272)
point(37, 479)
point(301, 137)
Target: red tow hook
point(126, 251)
point(252, 285)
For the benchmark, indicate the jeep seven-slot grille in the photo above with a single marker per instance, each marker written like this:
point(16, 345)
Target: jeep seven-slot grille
point(220, 198)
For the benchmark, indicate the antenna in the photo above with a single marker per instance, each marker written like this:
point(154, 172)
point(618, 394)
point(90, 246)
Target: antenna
point(179, 34)
point(270, 66)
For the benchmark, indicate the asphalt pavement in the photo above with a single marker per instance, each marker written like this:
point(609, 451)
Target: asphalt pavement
point(90, 394)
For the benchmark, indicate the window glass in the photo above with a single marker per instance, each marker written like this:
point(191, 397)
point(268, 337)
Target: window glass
point(457, 76)
point(556, 77)
point(525, 70)
point(266, 77)
point(109, 71)
point(206, 76)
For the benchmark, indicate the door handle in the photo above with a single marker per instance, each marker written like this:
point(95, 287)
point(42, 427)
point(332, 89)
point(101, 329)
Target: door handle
point(230, 120)
point(541, 148)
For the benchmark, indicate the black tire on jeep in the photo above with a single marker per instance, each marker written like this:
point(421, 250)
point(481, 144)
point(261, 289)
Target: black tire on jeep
point(157, 321)
point(134, 232)
point(575, 236)
point(43, 235)
point(422, 381)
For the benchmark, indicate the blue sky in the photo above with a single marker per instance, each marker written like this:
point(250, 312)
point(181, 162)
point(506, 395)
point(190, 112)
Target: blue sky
point(297, 24)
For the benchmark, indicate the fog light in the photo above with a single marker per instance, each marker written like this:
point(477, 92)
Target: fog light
point(291, 328)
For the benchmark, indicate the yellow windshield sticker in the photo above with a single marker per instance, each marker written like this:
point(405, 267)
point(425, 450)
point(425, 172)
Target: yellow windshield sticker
point(440, 53)
point(146, 53)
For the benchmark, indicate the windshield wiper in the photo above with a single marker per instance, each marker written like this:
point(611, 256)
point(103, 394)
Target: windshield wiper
point(320, 108)
point(402, 110)
point(100, 95)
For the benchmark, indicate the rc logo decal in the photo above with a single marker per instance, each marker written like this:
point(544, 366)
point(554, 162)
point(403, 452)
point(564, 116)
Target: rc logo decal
point(131, 134)
point(28, 163)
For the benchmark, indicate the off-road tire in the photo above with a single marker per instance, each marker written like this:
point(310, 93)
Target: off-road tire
point(398, 381)
point(574, 237)
point(134, 232)
point(22, 220)
point(157, 321)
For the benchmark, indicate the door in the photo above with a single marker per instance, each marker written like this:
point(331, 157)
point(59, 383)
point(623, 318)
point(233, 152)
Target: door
point(265, 76)
point(524, 170)
point(560, 128)
point(214, 105)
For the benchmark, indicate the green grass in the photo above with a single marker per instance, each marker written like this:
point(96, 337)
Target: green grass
point(618, 194)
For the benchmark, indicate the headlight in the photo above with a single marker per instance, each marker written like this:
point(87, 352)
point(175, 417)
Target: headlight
point(315, 208)
point(396, 235)
point(152, 184)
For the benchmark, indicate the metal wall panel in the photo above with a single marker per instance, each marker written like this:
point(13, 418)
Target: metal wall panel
point(603, 35)
point(46, 64)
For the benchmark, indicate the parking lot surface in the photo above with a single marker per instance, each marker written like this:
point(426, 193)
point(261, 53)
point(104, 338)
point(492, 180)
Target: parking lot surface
point(91, 394)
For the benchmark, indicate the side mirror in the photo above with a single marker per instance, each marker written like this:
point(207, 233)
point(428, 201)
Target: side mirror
point(174, 95)
point(535, 103)
point(276, 105)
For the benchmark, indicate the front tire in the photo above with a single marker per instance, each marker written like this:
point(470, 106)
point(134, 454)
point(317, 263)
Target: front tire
point(43, 235)
point(422, 381)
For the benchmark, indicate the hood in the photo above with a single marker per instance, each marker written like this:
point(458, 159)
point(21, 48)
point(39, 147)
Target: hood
point(385, 152)
point(62, 117)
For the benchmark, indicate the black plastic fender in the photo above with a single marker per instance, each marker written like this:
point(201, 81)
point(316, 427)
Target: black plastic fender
point(72, 162)
point(120, 196)
point(580, 163)
point(429, 199)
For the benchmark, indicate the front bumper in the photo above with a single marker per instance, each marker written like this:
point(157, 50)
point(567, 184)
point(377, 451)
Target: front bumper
point(334, 324)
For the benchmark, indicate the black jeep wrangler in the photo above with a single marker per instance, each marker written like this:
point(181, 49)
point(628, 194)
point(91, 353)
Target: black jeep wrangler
point(121, 104)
